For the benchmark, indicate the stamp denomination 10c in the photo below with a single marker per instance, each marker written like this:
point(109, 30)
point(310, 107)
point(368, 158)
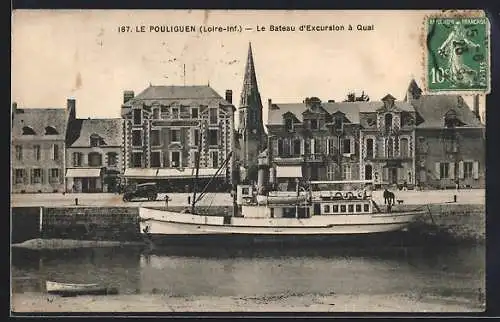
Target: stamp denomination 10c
point(458, 55)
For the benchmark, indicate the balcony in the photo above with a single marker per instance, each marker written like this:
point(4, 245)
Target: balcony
point(317, 157)
point(285, 158)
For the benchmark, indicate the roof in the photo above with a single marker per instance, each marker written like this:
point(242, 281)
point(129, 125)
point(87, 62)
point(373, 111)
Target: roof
point(432, 108)
point(350, 109)
point(80, 130)
point(38, 119)
point(185, 95)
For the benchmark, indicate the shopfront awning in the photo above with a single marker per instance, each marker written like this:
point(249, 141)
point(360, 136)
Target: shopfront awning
point(289, 171)
point(393, 164)
point(140, 173)
point(83, 173)
point(187, 173)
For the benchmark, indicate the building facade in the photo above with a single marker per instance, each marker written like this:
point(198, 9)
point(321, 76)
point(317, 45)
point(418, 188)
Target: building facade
point(38, 145)
point(252, 136)
point(94, 155)
point(168, 128)
point(450, 141)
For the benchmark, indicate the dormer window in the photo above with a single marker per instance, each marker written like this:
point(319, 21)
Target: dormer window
point(451, 120)
point(137, 116)
point(49, 130)
point(339, 123)
point(156, 113)
point(28, 131)
point(388, 122)
point(289, 125)
point(95, 140)
point(314, 124)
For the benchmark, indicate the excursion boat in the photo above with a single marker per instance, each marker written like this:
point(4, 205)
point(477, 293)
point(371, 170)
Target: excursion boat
point(307, 214)
point(71, 289)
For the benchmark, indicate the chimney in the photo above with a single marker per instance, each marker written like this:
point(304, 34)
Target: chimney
point(229, 96)
point(71, 108)
point(475, 105)
point(127, 95)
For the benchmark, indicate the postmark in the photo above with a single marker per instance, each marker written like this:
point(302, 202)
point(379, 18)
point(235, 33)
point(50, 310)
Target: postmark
point(457, 54)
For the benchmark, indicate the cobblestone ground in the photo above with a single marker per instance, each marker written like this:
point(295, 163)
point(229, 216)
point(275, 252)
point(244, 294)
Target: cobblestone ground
point(474, 196)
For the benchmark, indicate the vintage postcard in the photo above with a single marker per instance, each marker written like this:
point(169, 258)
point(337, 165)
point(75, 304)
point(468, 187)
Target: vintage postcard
point(248, 161)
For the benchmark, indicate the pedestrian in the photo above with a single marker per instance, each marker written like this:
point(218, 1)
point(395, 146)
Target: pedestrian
point(405, 186)
point(167, 198)
point(189, 200)
point(457, 184)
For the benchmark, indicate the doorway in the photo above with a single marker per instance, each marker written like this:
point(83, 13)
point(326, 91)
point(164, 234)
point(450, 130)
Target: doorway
point(393, 175)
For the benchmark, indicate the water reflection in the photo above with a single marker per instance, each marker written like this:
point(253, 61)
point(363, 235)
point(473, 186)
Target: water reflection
point(178, 271)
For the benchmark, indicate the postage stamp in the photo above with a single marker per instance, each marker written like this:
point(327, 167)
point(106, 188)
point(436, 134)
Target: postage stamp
point(457, 54)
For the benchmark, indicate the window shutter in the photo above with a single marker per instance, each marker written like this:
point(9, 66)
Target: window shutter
point(437, 170)
point(327, 146)
point(313, 146)
point(302, 147)
point(42, 175)
point(32, 175)
point(351, 142)
point(25, 176)
point(461, 169)
point(475, 169)
point(451, 170)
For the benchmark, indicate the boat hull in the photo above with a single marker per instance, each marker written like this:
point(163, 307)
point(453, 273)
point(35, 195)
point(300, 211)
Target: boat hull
point(163, 227)
point(70, 289)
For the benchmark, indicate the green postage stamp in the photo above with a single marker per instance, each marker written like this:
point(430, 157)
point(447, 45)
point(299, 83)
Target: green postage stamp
point(457, 55)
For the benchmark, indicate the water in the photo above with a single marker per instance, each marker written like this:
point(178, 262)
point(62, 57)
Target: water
point(447, 272)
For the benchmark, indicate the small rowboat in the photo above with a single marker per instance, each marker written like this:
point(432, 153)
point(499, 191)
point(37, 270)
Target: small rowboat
point(71, 289)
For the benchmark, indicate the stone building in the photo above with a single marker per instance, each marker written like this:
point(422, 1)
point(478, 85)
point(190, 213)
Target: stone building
point(166, 127)
point(387, 141)
point(38, 145)
point(94, 155)
point(252, 137)
point(450, 141)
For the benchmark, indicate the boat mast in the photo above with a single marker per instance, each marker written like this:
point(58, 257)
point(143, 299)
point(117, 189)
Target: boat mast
point(195, 183)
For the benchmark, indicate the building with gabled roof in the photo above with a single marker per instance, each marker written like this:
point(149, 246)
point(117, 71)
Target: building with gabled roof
point(450, 140)
point(94, 155)
point(38, 145)
point(166, 128)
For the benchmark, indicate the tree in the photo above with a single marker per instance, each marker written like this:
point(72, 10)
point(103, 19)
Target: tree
point(351, 97)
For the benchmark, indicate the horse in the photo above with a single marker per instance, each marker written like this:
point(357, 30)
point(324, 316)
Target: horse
point(389, 198)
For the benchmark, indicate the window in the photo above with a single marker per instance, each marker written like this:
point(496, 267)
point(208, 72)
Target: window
point(175, 159)
point(338, 123)
point(155, 138)
point(403, 148)
point(214, 155)
point(346, 172)
point(137, 159)
point(155, 159)
point(36, 150)
point(77, 159)
point(54, 175)
point(350, 208)
point(335, 208)
point(388, 122)
point(156, 113)
point(444, 168)
point(95, 159)
point(326, 208)
point(390, 148)
point(289, 125)
point(213, 137)
point(94, 140)
point(137, 138)
point(279, 144)
point(36, 175)
point(112, 159)
point(19, 152)
point(194, 112)
point(366, 207)
point(28, 131)
point(175, 135)
point(346, 146)
point(137, 116)
point(368, 172)
point(55, 152)
point(313, 146)
point(307, 146)
point(49, 130)
point(196, 136)
point(468, 170)
point(369, 148)
point(175, 112)
point(195, 156)
point(330, 172)
point(296, 147)
point(358, 208)
point(212, 113)
point(343, 208)
point(286, 147)
point(314, 124)
point(19, 175)
point(184, 112)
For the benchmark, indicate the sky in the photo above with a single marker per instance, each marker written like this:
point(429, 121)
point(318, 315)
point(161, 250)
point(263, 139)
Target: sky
point(81, 54)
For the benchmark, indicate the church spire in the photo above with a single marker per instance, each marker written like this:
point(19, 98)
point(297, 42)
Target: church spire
point(250, 86)
point(413, 91)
